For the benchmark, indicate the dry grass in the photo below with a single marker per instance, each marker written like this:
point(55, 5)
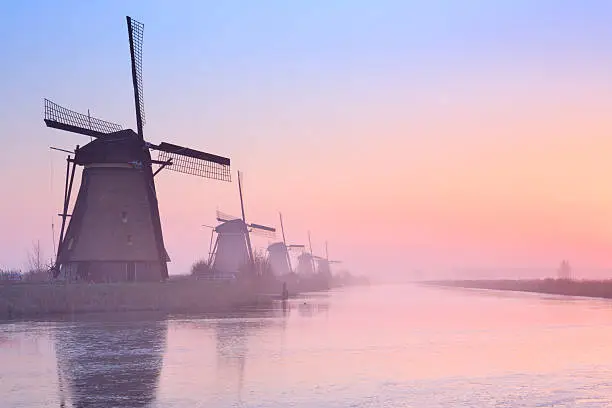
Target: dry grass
point(183, 296)
point(587, 288)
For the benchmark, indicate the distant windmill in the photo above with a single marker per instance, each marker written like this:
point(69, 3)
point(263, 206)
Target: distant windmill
point(306, 261)
point(324, 264)
point(280, 260)
point(115, 229)
point(233, 248)
point(565, 271)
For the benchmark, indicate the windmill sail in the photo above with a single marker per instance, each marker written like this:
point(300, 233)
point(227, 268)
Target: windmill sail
point(262, 227)
point(263, 230)
point(135, 32)
point(224, 217)
point(58, 117)
point(194, 162)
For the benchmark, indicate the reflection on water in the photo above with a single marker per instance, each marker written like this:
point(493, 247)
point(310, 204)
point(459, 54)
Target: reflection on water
point(403, 346)
point(109, 362)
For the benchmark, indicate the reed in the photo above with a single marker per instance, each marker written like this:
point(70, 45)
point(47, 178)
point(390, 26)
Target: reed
point(181, 296)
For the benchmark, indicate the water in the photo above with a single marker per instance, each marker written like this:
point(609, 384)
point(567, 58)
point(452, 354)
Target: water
point(383, 346)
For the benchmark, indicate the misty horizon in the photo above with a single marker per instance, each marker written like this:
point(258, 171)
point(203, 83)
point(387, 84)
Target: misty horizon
point(400, 151)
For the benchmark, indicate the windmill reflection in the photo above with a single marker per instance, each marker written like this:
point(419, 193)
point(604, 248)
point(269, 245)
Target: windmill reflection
point(232, 335)
point(232, 349)
point(110, 364)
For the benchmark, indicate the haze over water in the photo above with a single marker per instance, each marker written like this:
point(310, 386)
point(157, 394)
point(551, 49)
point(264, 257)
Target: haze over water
point(391, 346)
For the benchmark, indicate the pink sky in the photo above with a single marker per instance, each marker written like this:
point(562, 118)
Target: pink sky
point(478, 160)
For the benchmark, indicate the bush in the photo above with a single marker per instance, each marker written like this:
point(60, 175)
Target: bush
point(260, 267)
point(262, 263)
point(42, 275)
point(200, 268)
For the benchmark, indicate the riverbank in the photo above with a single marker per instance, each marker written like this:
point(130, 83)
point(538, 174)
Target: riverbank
point(188, 296)
point(565, 287)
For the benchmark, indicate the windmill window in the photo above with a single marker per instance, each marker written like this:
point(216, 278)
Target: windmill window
point(70, 243)
point(129, 240)
point(124, 217)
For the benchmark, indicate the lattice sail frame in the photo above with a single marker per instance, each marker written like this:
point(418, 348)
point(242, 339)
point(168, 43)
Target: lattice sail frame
point(263, 233)
point(263, 230)
point(224, 217)
point(195, 166)
point(58, 114)
point(137, 33)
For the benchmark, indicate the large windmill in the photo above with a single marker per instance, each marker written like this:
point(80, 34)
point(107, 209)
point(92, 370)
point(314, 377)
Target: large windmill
point(233, 248)
point(280, 259)
point(115, 230)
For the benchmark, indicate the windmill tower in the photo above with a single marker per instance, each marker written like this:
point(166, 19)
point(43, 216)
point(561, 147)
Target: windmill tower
point(233, 249)
point(306, 261)
point(280, 260)
point(115, 230)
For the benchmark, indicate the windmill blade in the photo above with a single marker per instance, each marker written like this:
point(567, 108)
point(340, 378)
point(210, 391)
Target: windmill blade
point(223, 217)
point(194, 162)
point(263, 230)
point(135, 33)
point(262, 227)
point(58, 117)
point(263, 233)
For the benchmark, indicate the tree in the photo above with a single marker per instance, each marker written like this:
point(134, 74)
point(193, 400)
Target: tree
point(201, 267)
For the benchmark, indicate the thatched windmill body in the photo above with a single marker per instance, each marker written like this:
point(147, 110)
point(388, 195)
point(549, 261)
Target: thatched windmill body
point(233, 250)
point(115, 230)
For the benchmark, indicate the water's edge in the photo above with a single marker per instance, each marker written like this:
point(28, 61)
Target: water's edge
point(564, 287)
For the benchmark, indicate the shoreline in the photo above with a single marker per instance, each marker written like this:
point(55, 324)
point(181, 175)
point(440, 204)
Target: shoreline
point(181, 295)
point(20, 301)
point(601, 289)
point(39, 300)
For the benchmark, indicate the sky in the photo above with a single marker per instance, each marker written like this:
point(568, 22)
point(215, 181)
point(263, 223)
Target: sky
point(429, 136)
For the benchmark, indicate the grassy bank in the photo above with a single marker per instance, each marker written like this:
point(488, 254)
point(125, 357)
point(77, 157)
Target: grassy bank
point(186, 296)
point(587, 288)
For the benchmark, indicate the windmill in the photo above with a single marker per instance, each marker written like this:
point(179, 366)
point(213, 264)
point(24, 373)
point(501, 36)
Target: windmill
point(233, 247)
point(324, 264)
point(306, 261)
point(280, 260)
point(115, 230)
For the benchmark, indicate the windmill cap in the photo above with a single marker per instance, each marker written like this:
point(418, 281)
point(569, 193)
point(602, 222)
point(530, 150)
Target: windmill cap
point(123, 146)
